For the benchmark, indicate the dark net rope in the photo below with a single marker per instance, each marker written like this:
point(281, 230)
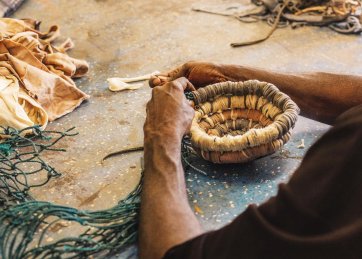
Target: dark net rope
point(20, 159)
point(105, 230)
point(24, 223)
point(187, 154)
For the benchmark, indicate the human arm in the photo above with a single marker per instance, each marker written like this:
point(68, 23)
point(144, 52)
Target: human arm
point(317, 214)
point(166, 218)
point(320, 96)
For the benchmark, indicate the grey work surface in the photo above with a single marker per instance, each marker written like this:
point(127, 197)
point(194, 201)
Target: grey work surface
point(130, 38)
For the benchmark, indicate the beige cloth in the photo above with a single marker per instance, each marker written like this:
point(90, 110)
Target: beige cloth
point(36, 75)
point(19, 110)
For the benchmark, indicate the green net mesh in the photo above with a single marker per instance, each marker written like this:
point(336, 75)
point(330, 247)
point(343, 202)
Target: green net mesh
point(20, 157)
point(25, 222)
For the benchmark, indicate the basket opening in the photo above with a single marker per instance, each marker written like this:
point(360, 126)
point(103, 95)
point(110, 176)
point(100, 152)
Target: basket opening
point(233, 122)
point(240, 121)
point(233, 127)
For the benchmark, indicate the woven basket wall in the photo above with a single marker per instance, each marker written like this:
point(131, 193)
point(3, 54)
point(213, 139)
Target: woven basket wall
point(236, 122)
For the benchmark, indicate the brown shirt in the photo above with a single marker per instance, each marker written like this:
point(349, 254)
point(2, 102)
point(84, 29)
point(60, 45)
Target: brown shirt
point(318, 214)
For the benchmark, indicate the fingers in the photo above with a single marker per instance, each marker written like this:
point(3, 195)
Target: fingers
point(199, 73)
point(163, 78)
point(180, 71)
point(184, 84)
point(157, 80)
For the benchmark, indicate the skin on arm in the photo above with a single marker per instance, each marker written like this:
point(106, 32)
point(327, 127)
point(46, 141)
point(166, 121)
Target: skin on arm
point(320, 96)
point(166, 218)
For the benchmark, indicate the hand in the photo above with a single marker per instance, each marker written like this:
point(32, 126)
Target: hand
point(164, 204)
point(199, 74)
point(169, 114)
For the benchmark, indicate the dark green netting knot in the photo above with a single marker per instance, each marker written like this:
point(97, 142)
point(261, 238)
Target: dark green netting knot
point(5, 149)
point(189, 96)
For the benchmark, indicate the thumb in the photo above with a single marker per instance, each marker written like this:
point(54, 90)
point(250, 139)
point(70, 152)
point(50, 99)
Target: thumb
point(162, 78)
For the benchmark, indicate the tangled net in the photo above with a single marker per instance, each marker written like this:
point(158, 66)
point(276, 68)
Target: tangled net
point(343, 16)
point(20, 158)
point(24, 222)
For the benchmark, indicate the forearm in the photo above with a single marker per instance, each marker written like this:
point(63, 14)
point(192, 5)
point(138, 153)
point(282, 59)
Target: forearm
point(166, 217)
point(320, 96)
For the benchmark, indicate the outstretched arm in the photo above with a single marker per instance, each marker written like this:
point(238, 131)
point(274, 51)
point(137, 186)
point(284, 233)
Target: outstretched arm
point(166, 217)
point(320, 96)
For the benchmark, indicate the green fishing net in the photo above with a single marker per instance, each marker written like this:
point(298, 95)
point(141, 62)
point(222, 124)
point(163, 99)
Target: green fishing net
point(25, 222)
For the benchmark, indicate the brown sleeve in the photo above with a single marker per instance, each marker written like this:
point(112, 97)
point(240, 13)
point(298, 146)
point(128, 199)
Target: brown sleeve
point(318, 214)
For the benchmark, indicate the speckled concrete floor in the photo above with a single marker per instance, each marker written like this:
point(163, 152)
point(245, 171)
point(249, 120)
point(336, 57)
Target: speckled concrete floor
point(128, 38)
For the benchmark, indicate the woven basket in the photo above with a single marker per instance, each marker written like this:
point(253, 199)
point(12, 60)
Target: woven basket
point(236, 122)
